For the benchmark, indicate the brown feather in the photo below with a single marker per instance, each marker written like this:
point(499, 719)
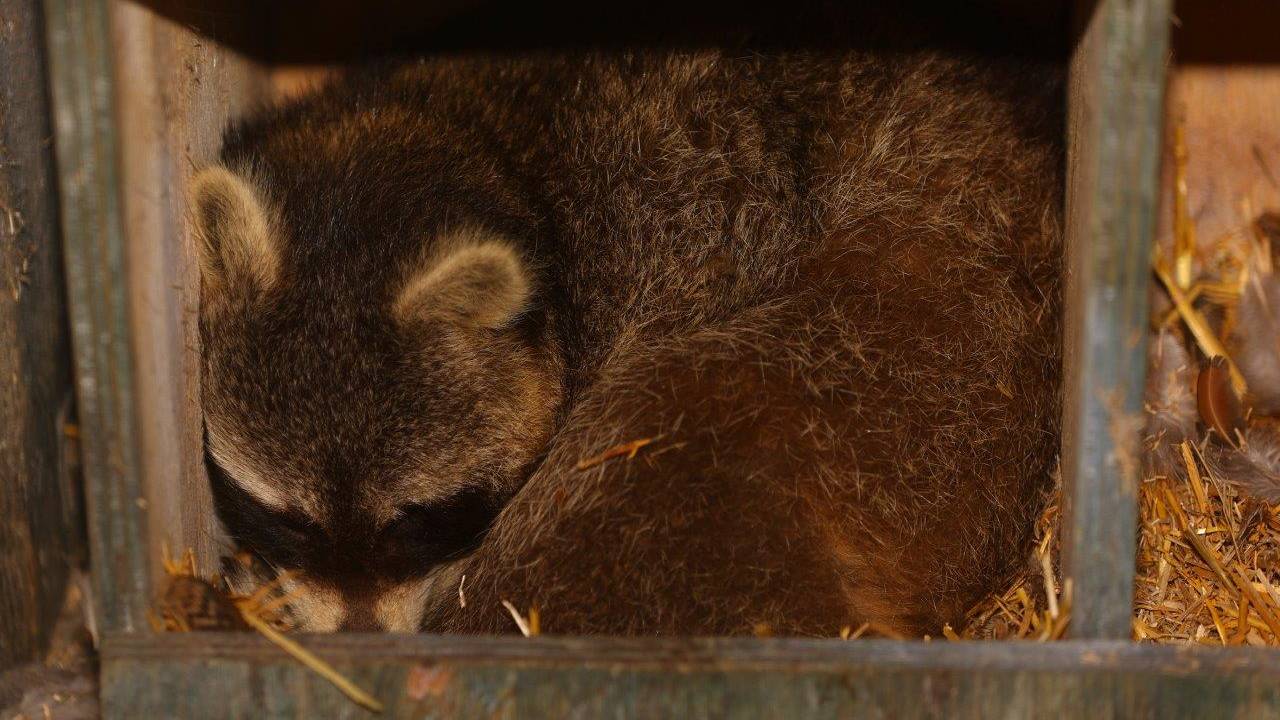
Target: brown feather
point(1257, 335)
point(1255, 469)
point(1171, 406)
point(1267, 228)
point(1220, 407)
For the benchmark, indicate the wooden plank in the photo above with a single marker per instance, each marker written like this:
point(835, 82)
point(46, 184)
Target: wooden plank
point(81, 85)
point(231, 676)
point(176, 92)
point(1225, 87)
point(1233, 147)
point(1115, 108)
point(141, 103)
point(38, 517)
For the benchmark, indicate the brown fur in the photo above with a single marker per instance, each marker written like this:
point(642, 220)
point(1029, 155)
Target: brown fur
point(827, 283)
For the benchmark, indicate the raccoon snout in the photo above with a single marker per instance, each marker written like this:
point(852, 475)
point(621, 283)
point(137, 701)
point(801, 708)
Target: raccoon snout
point(360, 618)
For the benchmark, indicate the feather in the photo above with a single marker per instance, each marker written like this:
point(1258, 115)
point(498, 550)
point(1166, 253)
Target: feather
point(1257, 335)
point(1267, 229)
point(1171, 406)
point(1255, 468)
point(1219, 405)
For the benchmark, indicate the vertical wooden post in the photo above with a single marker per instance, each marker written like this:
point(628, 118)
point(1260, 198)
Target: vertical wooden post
point(1116, 111)
point(39, 522)
point(175, 93)
point(87, 150)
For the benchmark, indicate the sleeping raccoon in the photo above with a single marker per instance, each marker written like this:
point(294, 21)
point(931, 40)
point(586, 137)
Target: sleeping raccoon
point(659, 342)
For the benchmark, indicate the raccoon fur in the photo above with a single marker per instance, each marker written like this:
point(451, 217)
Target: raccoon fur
point(823, 285)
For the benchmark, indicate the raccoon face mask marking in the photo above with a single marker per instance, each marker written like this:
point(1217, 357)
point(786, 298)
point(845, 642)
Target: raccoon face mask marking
point(363, 427)
point(223, 455)
point(377, 582)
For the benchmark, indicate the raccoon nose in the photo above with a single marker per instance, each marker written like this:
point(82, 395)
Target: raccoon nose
point(360, 618)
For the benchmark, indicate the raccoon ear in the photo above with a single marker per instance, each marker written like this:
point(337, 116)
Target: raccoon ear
point(232, 231)
point(477, 281)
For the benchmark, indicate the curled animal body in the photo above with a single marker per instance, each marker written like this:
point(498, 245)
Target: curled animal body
point(823, 286)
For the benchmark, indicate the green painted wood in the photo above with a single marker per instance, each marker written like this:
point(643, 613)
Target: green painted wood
point(38, 519)
point(1116, 114)
point(86, 141)
point(242, 676)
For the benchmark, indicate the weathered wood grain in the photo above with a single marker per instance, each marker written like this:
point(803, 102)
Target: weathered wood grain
point(175, 94)
point(141, 104)
point(85, 133)
point(1115, 104)
point(38, 518)
point(1224, 87)
point(1233, 147)
point(239, 676)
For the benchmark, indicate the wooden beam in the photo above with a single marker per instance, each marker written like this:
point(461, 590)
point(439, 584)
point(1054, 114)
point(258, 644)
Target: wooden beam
point(239, 675)
point(39, 520)
point(1116, 114)
point(82, 88)
point(170, 124)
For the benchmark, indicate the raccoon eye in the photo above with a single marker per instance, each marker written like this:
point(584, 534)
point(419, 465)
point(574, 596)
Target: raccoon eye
point(279, 538)
point(413, 524)
point(440, 530)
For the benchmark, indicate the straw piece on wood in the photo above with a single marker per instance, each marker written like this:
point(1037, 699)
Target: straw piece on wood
point(315, 664)
point(190, 602)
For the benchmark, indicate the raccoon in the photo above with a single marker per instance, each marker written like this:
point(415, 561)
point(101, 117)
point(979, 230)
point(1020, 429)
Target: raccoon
point(658, 342)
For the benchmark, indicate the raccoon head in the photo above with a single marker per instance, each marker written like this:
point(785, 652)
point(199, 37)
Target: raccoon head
point(365, 418)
